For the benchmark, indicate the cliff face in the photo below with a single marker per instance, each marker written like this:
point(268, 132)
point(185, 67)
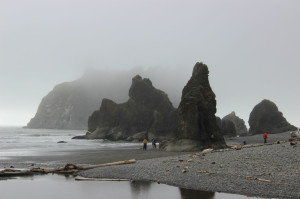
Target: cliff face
point(265, 117)
point(69, 104)
point(148, 113)
point(65, 107)
point(238, 128)
point(197, 128)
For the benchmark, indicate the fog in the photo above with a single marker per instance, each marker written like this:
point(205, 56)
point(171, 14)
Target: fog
point(251, 48)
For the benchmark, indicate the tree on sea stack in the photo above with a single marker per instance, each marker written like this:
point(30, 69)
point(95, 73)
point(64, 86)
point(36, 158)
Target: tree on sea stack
point(197, 128)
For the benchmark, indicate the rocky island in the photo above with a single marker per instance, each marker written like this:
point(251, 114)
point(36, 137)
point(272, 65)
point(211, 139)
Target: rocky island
point(265, 117)
point(147, 114)
point(69, 104)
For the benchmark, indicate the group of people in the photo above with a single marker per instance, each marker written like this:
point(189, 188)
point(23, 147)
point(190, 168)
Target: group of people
point(145, 142)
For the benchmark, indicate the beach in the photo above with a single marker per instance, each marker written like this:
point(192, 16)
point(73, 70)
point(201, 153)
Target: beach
point(270, 170)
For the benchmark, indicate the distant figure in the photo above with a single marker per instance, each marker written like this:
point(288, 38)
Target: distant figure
point(145, 141)
point(245, 142)
point(265, 137)
point(153, 143)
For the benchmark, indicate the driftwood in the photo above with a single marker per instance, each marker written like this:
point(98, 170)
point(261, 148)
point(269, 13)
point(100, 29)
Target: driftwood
point(263, 180)
point(259, 179)
point(100, 179)
point(67, 169)
point(15, 173)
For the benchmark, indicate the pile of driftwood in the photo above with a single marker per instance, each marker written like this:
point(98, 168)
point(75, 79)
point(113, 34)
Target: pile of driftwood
point(67, 169)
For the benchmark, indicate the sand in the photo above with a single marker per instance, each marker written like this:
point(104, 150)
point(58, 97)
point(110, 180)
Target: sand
point(84, 157)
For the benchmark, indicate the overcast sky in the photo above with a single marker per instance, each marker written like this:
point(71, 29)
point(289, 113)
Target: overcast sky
point(252, 48)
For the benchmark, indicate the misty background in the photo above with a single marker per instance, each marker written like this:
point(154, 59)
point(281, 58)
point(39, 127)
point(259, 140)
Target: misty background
point(251, 47)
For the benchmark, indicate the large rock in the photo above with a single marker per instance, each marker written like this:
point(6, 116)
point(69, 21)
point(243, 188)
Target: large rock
point(265, 117)
point(69, 104)
point(147, 113)
point(238, 128)
point(228, 128)
point(197, 128)
point(219, 122)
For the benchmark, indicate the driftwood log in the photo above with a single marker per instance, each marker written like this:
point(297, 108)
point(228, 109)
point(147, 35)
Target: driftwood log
point(259, 179)
point(67, 169)
point(101, 179)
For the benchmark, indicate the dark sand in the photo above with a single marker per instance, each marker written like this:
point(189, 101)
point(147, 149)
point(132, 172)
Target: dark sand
point(84, 157)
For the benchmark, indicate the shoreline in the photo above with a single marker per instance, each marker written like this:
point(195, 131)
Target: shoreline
point(228, 171)
point(84, 157)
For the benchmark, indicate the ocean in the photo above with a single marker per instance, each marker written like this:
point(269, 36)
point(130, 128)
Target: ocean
point(18, 141)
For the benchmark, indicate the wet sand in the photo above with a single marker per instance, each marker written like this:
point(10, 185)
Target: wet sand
point(84, 157)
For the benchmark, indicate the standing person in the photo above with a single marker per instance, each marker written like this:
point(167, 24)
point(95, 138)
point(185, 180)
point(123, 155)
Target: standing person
point(153, 143)
point(265, 137)
point(145, 141)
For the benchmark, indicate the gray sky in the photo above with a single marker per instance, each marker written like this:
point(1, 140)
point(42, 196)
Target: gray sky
point(252, 48)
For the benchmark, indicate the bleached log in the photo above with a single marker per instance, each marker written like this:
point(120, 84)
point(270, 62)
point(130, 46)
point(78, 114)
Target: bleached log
point(264, 180)
point(101, 179)
point(109, 164)
point(259, 179)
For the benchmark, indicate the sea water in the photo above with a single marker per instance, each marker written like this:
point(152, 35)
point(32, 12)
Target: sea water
point(17, 141)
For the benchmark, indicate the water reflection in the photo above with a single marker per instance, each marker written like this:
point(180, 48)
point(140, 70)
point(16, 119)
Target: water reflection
point(140, 187)
point(194, 194)
point(37, 187)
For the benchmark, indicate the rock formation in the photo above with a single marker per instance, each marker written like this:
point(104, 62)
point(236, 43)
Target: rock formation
point(239, 127)
point(219, 122)
point(197, 128)
point(65, 107)
point(265, 117)
point(148, 113)
point(228, 128)
point(69, 104)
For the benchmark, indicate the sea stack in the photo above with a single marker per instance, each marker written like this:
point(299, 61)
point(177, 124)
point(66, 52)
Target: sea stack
point(232, 125)
point(69, 104)
point(147, 114)
point(265, 117)
point(197, 127)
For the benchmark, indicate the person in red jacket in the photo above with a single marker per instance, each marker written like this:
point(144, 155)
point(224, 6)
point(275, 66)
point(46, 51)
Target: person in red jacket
point(265, 137)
